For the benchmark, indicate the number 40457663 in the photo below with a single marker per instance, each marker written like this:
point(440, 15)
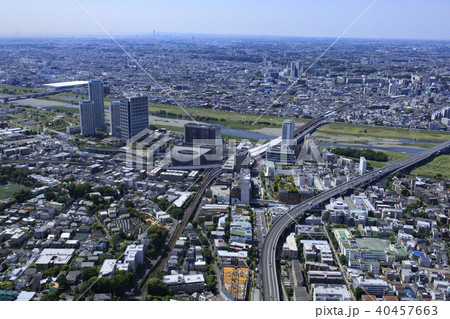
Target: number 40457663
point(407, 310)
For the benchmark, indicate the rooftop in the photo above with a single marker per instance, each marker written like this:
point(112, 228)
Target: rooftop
point(61, 85)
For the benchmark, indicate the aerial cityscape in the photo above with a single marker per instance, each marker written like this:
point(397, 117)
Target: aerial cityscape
point(209, 167)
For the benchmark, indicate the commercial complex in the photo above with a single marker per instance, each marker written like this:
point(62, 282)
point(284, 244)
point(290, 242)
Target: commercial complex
point(87, 118)
point(133, 116)
point(95, 89)
point(114, 123)
point(200, 134)
point(287, 137)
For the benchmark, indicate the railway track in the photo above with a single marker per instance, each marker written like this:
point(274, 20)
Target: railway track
point(209, 177)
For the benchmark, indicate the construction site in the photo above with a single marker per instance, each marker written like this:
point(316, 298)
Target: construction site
point(235, 281)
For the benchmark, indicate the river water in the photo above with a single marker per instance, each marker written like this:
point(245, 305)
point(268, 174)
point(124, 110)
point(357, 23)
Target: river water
point(260, 136)
point(246, 134)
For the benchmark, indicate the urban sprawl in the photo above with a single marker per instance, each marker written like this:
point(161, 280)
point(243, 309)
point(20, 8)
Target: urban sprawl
point(224, 168)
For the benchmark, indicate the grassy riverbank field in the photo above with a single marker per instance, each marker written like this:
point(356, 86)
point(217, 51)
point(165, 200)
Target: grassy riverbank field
point(384, 132)
point(439, 166)
point(235, 120)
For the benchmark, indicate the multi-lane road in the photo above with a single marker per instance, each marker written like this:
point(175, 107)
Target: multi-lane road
point(268, 256)
point(261, 231)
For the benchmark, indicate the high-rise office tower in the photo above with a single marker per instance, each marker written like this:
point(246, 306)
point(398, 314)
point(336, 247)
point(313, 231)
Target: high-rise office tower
point(133, 116)
point(246, 186)
point(295, 69)
point(393, 88)
point(287, 137)
point(95, 88)
point(87, 118)
point(362, 165)
point(201, 134)
point(114, 112)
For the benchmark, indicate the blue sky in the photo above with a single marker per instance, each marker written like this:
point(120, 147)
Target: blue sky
point(417, 19)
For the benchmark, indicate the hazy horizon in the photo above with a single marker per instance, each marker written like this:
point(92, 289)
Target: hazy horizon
point(168, 35)
point(393, 19)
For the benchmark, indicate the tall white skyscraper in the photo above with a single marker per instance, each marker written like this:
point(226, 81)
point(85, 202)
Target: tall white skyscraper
point(287, 136)
point(114, 112)
point(87, 118)
point(362, 165)
point(245, 186)
point(95, 88)
point(133, 116)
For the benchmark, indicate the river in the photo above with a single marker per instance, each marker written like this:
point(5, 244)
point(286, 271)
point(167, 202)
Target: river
point(259, 136)
point(246, 134)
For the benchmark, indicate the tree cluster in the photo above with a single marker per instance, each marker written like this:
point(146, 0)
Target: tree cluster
point(207, 254)
point(107, 190)
point(80, 190)
point(157, 238)
point(51, 296)
point(156, 287)
point(164, 205)
point(55, 194)
point(117, 284)
point(17, 175)
point(88, 273)
point(211, 283)
point(23, 195)
point(334, 241)
point(355, 153)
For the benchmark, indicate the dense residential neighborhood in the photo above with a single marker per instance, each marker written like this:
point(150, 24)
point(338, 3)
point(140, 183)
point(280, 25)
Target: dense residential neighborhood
point(111, 189)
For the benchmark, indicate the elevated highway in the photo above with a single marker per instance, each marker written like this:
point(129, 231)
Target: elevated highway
point(13, 98)
point(268, 256)
point(299, 133)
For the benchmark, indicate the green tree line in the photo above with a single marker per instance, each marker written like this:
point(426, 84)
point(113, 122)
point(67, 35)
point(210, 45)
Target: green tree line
point(370, 155)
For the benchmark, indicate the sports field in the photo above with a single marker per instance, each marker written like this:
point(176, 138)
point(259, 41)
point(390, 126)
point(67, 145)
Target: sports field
point(8, 190)
point(372, 243)
point(342, 233)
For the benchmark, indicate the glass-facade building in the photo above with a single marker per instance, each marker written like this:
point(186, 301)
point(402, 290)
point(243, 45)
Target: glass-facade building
point(133, 116)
